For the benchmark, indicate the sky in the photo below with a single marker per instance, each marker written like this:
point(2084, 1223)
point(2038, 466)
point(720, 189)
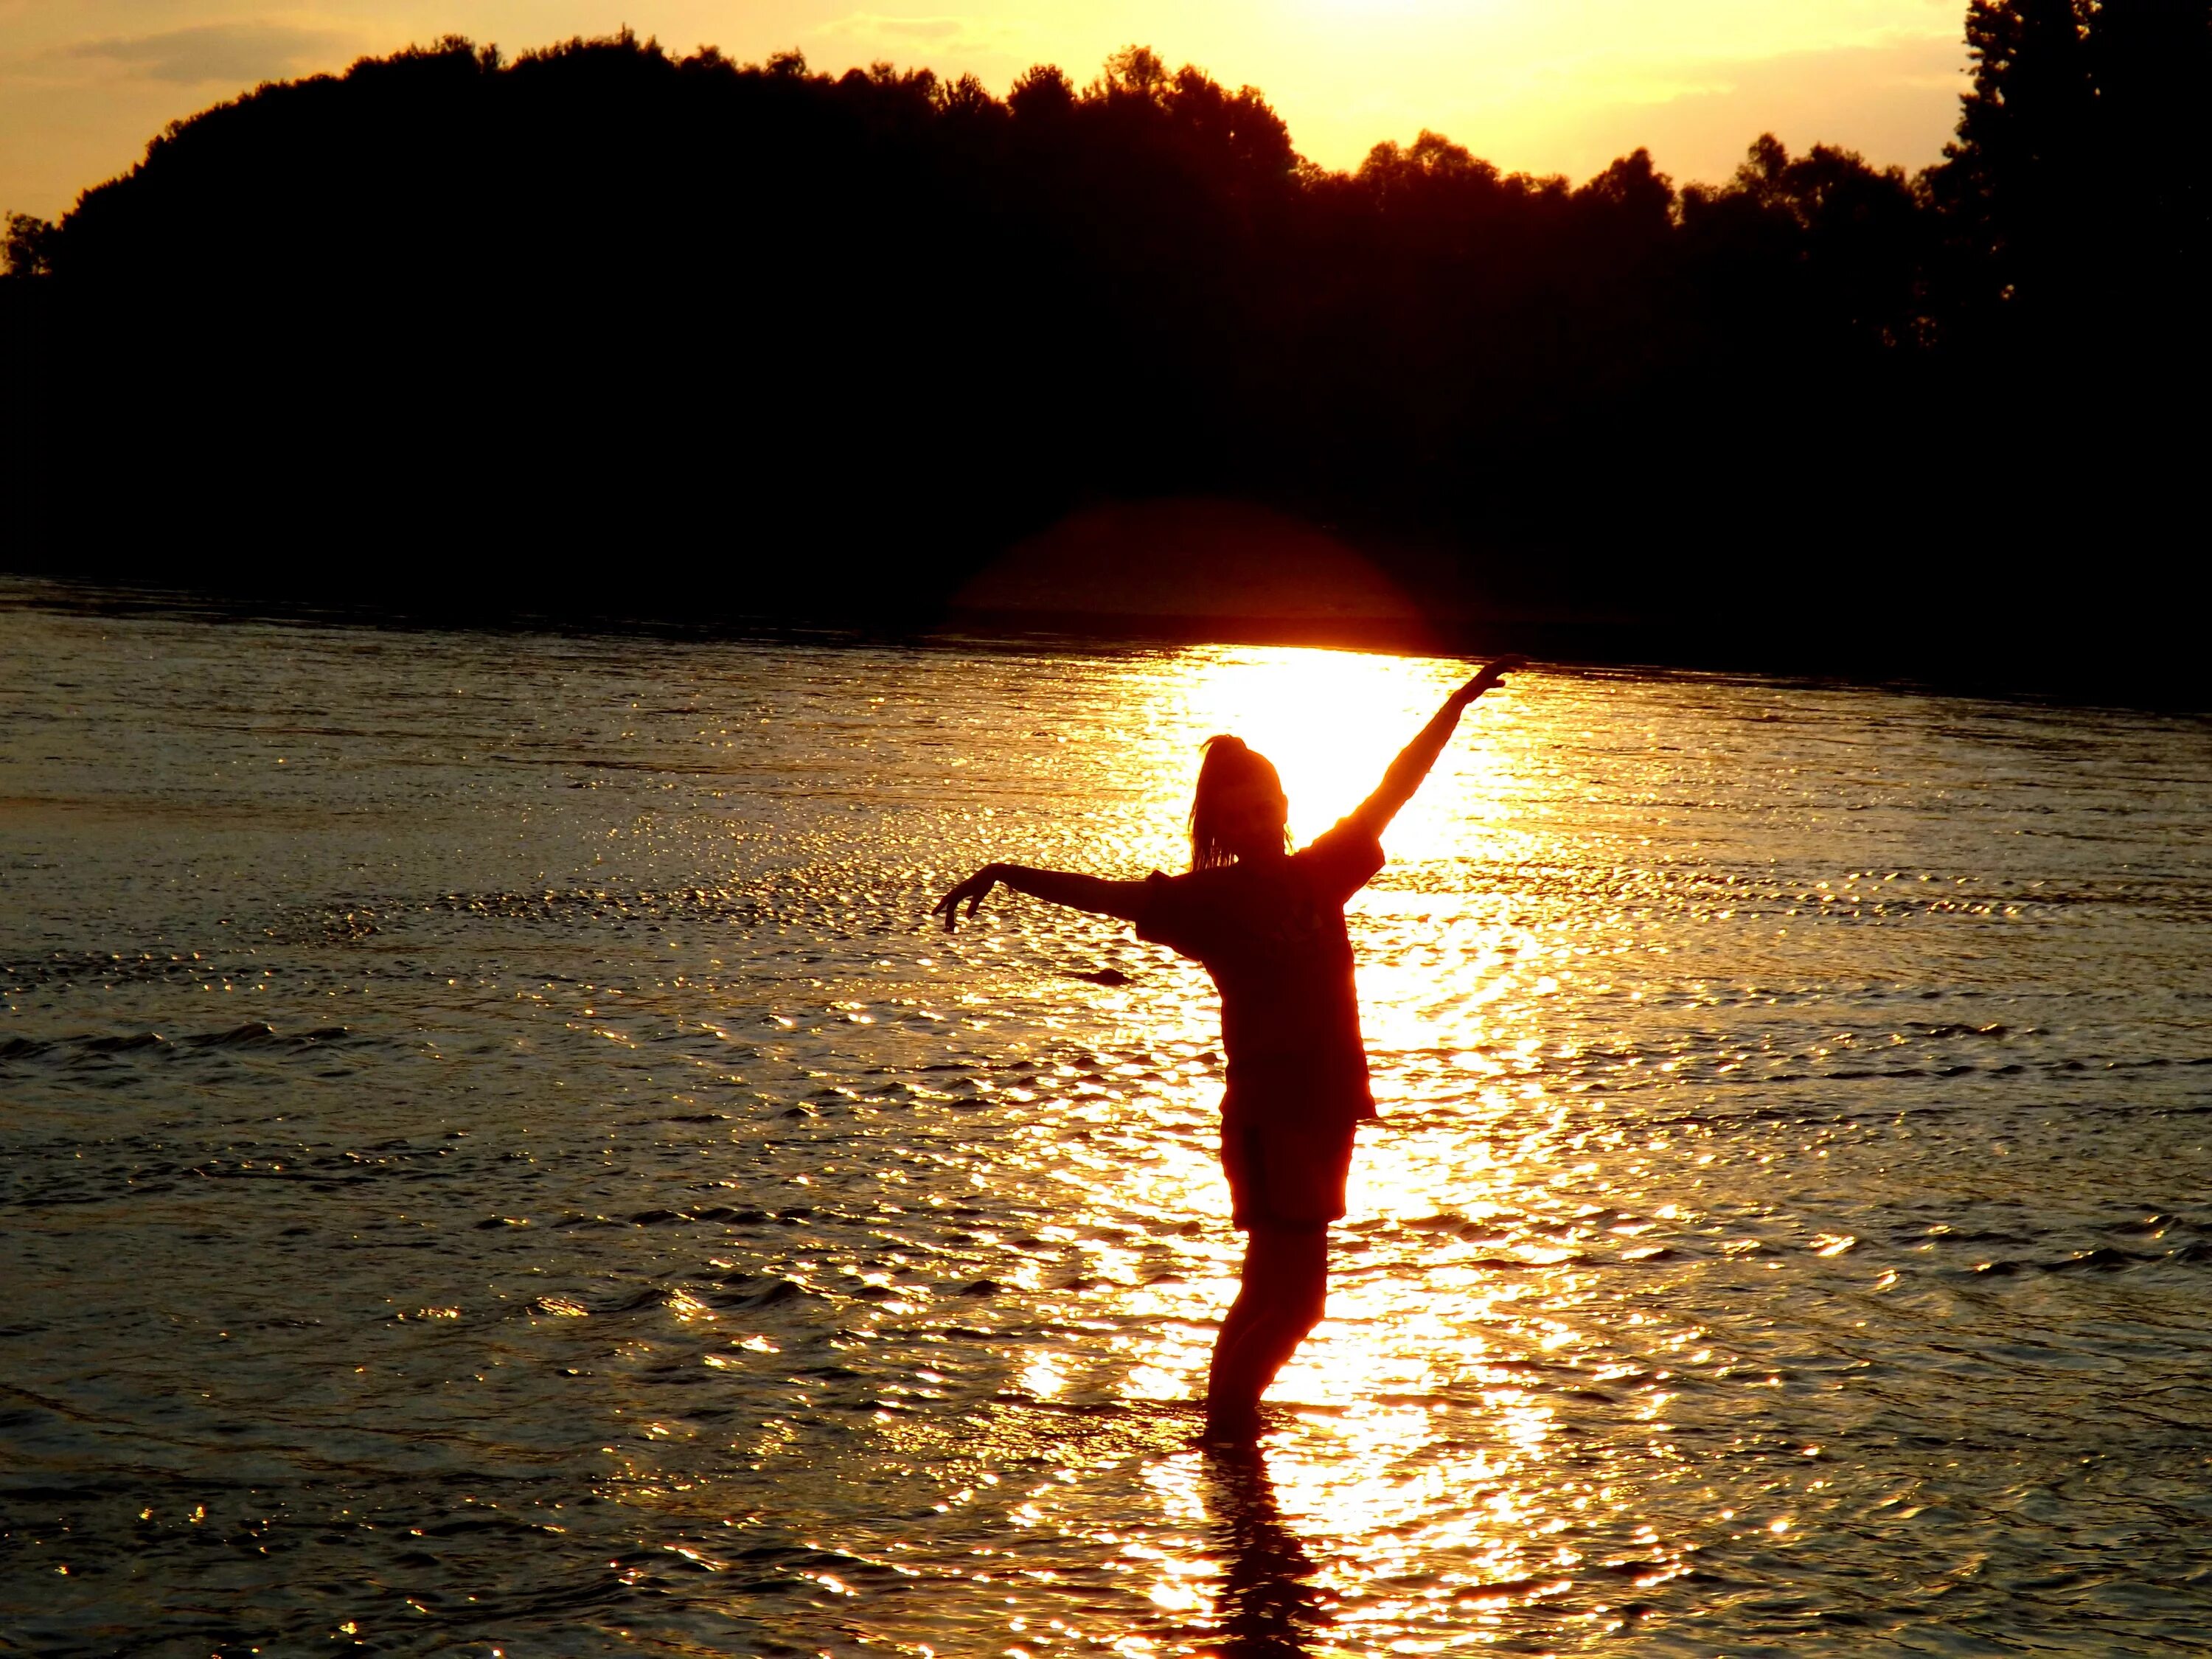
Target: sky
point(1542, 86)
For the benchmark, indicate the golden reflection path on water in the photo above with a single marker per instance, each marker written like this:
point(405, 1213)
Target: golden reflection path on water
point(489, 1130)
point(1371, 1474)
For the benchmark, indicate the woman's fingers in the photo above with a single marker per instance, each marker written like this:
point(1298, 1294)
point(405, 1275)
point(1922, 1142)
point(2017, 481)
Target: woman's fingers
point(974, 890)
point(1494, 672)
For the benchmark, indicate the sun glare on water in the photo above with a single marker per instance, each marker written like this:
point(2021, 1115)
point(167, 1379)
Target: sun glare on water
point(1449, 986)
point(1331, 721)
point(605, 1210)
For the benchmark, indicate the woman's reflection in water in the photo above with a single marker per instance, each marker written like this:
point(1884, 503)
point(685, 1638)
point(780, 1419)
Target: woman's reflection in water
point(1267, 1605)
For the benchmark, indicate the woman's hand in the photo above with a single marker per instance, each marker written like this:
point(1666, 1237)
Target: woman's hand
point(1493, 673)
point(1412, 765)
point(975, 889)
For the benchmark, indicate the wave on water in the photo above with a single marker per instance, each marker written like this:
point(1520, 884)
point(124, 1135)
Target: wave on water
point(617, 1218)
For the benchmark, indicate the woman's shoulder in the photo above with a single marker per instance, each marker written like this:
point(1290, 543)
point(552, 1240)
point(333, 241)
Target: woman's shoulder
point(1342, 859)
point(1220, 878)
point(1188, 912)
point(1347, 835)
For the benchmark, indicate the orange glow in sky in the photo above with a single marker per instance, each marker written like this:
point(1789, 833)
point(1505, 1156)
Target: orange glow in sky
point(1544, 85)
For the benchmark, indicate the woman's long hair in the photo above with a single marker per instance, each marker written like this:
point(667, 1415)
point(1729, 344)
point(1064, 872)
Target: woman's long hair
point(1229, 764)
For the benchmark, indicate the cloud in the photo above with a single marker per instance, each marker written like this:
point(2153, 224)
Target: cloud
point(936, 31)
point(1897, 102)
point(232, 54)
point(952, 38)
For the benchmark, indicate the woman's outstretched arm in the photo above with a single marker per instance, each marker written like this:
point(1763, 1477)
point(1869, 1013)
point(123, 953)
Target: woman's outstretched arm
point(1411, 767)
point(1105, 898)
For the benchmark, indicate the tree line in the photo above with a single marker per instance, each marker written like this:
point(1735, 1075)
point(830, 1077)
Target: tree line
point(791, 343)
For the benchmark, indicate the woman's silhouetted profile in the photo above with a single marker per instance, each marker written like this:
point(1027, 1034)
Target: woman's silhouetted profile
point(1268, 924)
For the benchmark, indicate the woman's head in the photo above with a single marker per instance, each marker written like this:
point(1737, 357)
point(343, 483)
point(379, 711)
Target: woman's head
point(1239, 811)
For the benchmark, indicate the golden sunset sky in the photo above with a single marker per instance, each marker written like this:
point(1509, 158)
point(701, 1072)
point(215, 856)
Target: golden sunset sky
point(1546, 86)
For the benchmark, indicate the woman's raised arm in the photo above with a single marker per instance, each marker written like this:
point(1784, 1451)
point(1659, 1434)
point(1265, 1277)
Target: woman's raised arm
point(1412, 766)
point(1105, 898)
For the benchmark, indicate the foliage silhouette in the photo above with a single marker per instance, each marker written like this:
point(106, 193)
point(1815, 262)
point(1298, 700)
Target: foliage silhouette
point(820, 344)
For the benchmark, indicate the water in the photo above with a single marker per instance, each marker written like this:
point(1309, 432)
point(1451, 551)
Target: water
point(492, 1158)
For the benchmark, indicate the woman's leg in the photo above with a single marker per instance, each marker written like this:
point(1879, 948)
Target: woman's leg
point(1279, 1301)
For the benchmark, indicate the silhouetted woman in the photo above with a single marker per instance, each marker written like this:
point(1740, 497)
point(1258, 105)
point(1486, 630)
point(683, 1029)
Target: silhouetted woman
point(1268, 925)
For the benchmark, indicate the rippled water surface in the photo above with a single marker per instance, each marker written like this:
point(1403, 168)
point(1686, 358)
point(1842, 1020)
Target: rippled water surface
point(491, 1157)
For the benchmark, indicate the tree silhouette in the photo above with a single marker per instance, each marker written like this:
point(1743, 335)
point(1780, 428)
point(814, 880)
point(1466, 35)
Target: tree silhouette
point(2152, 63)
point(2021, 166)
point(2072, 184)
point(27, 247)
point(826, 343)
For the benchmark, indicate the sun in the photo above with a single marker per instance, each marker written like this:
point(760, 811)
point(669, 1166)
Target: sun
point(1331, 721)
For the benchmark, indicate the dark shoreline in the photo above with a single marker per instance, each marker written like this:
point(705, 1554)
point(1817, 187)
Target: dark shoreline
point(2058, 674)
point(851, 344)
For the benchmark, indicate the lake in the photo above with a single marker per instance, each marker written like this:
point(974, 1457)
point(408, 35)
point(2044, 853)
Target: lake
point(494, 1156)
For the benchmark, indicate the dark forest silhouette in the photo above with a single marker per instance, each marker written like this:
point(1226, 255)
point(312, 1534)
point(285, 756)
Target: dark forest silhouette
point(796, 344)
